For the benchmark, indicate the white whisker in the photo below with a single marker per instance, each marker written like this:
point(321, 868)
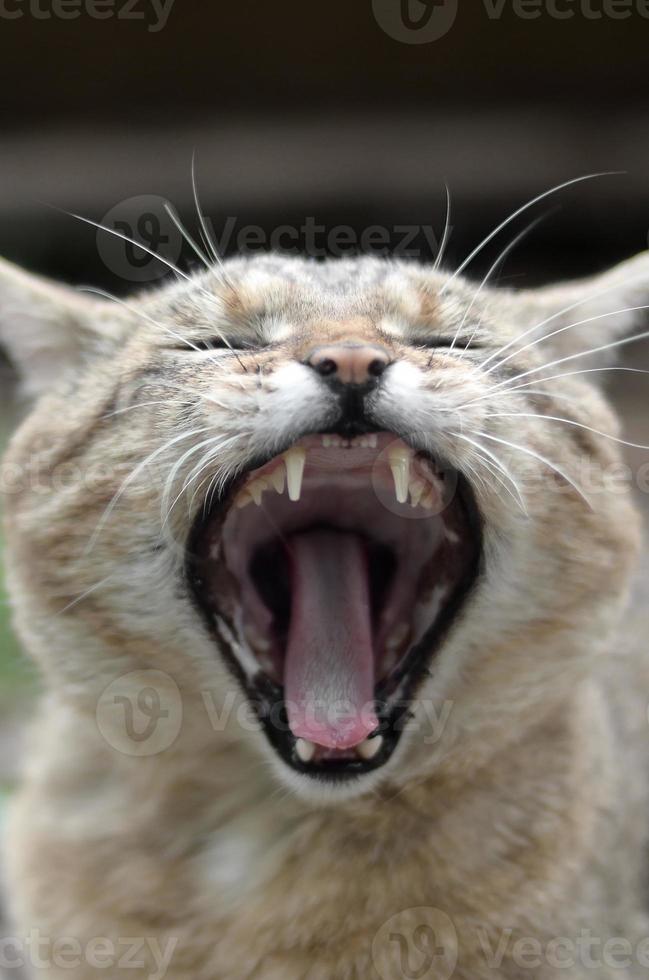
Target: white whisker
point(502, 256)
point(573, 422)
point(553, 333)
point(566, 309)
point(541, 459)
point(512, 217)
point(503, 469)
point(447, 228)
point(133, 476)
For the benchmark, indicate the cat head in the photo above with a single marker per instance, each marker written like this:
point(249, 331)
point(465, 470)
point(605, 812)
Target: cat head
point(375, 503)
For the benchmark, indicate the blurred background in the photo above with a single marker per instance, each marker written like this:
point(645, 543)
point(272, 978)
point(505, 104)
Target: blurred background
point(333, 119)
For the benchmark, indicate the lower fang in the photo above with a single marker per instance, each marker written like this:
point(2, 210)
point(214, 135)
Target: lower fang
point(304, 750)
point(370, 747)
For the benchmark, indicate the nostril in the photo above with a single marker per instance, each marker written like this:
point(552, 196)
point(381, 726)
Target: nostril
point(376, 367)
point(326, 366)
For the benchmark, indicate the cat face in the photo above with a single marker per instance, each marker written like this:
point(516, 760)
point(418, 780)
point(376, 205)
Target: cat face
point(371, 501)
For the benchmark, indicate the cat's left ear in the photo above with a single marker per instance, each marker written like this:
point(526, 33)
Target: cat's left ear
point(47, 329)
point(585, 314)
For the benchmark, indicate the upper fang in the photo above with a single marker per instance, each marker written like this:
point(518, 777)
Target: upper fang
point(399, 457)
point(295, 459)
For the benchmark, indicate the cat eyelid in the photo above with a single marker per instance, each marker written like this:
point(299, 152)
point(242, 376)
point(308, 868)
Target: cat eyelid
point(444, 343)
point(198, 346)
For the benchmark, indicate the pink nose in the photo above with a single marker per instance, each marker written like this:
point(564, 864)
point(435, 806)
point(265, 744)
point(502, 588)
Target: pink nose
point(352, 364)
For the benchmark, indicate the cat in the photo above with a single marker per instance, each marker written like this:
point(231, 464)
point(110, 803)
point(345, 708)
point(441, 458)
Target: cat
point(326, 568)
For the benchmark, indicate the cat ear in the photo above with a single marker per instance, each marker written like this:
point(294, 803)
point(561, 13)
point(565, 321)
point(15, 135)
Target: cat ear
point(47, 329)
point(580, 316)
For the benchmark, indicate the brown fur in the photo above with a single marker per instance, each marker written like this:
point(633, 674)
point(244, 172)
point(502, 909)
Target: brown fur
point(525, 813)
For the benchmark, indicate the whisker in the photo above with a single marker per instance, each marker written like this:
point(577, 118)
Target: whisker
point(125, 238)
point(505, 390)
point(579, 425)
point(571, 357)
point(553, 333)
point(210, 244)
point(133, 309)
point(447, 228)
point(84, 595)
point(133, 476)
point(566, 309)
point(503, 469)
point(186, 235)
point(501, 258)
point(541, 459)
point(512, 217)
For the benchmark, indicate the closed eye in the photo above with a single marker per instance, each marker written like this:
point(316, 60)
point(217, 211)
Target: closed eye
point(457, 343)
point(213, 343)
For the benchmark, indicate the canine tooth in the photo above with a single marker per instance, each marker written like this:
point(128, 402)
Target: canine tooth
point(278, 478)
point(295, 459)
point(399, 457)
point(417, 488)
point(304, 750)
point(370, 747)
point(256, 490)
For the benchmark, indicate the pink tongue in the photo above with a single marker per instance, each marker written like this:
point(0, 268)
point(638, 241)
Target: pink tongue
point(329, 669)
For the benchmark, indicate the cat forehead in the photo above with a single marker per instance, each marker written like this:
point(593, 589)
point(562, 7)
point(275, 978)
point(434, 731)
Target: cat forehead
point(281, 294)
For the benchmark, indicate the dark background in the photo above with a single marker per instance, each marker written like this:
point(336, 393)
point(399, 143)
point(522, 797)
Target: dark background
point(298, 109)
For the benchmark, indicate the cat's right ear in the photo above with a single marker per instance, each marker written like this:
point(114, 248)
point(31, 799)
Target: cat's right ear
point(47, 329)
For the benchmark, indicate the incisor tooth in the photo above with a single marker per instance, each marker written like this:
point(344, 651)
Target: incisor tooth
point(428, 500)
point(278, 478)
point(370, 747)
point(295, 459)
point(417, 487)
point(399, 457)
point(256, 490)
point(304, 749)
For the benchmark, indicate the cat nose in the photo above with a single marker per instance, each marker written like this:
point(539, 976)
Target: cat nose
point(350, 363)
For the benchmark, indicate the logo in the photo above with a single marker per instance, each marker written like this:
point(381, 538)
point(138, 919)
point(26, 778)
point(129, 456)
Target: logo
point(135, 232)
point(140, 714)
point(415, 21)
point(416, 944)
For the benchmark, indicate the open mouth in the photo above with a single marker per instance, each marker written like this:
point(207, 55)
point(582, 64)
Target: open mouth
point(330, 574)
